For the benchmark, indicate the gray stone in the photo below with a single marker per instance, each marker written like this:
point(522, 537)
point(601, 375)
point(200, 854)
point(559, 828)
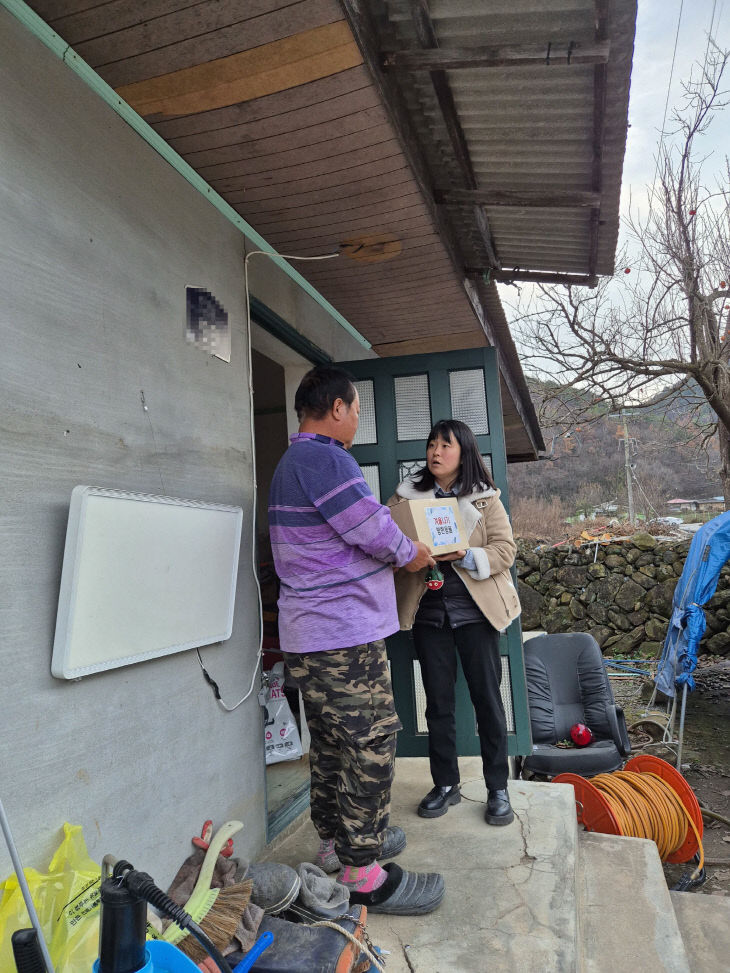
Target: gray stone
point(532, 604)
point(644, 559)
point(664, 571)
point(600, 633)
point(659, 599)
point(566, 598)
point(637, 617)
point(605, 589)
point(656, 628)
point(632, 554)
point(648, 569)
point(644, 542)
point(630, 641)
point(597, 570)
point(718, 644)
point(615, 561)
point(644, 580)
point(651, 650)
point(532, 579)
point(628, 595)
point(598, 612)
point(618, 620)
point(557, 620)
point(572, 575)
point(576, 609)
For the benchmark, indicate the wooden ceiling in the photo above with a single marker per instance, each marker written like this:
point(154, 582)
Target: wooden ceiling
point(284, 108)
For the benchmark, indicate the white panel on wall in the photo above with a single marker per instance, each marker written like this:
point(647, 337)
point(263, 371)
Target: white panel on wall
point(143, 576)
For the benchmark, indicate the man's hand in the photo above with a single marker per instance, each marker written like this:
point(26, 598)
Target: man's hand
point(422, 559)
point(454, 556)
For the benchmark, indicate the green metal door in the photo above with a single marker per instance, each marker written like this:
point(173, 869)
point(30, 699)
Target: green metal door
point(400, 399)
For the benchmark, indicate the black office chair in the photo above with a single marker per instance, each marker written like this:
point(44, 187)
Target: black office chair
point(567, 684)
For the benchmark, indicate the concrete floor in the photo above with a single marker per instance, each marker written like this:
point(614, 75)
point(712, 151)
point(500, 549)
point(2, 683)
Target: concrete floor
point(510, 901)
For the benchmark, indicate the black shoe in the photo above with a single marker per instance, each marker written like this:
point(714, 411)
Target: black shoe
point(499, 810)
point(438, 801)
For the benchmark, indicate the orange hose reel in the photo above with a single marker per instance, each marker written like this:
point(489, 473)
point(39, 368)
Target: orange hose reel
point(648, 799)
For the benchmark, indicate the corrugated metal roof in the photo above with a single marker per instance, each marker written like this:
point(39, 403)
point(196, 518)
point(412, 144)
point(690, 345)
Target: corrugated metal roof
point(526, 127)
point(271, 103)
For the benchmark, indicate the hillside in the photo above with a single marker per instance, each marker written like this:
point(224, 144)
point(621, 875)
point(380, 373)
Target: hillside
point(585, 468)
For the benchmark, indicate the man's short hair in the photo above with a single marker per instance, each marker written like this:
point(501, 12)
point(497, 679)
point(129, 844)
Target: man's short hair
point(319, 389)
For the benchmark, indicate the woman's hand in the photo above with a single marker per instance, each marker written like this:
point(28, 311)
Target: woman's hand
point(454, 556)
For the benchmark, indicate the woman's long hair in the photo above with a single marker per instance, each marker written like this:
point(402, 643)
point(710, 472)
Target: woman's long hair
point(473, 474)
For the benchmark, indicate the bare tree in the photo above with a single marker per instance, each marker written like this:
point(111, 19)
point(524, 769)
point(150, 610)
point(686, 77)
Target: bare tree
point(663, 321)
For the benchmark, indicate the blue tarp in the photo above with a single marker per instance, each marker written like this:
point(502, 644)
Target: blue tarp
point(708, 552)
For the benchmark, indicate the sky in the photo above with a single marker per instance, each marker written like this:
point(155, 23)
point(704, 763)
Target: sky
point(656, 31)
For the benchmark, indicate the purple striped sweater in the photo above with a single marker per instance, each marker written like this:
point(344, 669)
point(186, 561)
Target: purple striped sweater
point(334, 549)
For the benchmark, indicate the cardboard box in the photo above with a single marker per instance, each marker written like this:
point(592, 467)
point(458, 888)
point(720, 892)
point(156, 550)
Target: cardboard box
point(437, 523)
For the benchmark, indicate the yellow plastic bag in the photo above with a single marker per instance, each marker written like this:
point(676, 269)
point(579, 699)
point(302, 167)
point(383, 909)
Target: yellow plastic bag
point(66, 899)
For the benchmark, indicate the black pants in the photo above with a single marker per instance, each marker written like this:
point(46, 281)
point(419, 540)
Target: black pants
point(478, 647)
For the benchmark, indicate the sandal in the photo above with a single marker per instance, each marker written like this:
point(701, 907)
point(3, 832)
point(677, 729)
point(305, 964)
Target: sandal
point(403, 893)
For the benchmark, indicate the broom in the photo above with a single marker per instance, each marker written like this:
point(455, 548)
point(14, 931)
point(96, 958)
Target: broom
point(217, 911)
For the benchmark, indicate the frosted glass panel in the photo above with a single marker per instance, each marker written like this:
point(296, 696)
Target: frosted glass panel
point(410, 468)
point(469, 399)
point(366, 431)
point(488, 462)
point(506, 691)
point(371, 472)
point(419, 694)
point(420, 698)
point(412, 407)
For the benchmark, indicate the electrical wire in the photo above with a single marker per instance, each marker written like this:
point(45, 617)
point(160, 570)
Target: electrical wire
point(645, 806)
point(254, 566)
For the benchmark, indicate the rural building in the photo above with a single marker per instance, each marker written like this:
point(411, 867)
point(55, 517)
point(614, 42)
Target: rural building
point(147, 148)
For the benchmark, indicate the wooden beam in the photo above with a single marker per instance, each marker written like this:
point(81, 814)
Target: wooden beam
point(434, 58)
point(534, 276)
point(426, 34)
point(360, 17)
point(600, 73)
point(524, 198)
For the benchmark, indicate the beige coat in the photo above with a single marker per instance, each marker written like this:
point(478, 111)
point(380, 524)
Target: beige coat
point(490, 539)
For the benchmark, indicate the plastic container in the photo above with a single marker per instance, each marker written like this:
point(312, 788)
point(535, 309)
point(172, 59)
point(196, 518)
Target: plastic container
point(163, 957)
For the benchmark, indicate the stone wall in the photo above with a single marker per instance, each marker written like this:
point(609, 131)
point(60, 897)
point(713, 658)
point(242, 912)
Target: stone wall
point(621, 594)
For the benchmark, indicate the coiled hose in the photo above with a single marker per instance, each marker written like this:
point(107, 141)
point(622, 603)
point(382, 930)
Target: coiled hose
point(645, 806)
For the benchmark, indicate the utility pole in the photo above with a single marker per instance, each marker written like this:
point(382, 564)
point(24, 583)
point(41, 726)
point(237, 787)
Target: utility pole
point(623, 415)
point(627, 463)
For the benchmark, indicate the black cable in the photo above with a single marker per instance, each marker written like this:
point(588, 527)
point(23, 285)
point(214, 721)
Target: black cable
point(143, 886)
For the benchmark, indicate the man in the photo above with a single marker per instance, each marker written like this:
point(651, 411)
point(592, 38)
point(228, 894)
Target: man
point(335, 548)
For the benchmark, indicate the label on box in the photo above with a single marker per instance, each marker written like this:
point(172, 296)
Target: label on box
point(442, 525)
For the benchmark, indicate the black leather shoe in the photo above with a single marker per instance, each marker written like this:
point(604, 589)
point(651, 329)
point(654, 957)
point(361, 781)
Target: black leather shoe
point(499, 810)
point(438, 801)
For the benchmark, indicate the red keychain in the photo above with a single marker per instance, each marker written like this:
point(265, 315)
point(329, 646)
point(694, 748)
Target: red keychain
point(434, 579)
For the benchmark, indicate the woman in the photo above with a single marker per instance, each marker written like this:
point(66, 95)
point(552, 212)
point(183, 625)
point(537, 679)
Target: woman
point(476, 601)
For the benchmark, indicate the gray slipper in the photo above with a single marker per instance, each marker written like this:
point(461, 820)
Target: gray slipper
point(275, 886)
point(403, 893)
point(320, 897)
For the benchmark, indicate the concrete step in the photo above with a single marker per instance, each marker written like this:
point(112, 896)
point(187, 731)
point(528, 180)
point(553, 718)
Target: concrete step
point(625, 917)
point(704, 921)
point(510, 905)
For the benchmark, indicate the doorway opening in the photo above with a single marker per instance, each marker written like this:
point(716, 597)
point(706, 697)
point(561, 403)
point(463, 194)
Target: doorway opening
point(287, 781)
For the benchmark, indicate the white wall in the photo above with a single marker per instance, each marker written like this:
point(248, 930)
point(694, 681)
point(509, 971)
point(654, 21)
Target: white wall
point(98, 239)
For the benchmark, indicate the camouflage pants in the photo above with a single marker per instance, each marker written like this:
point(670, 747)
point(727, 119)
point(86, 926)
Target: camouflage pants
point(348, 702)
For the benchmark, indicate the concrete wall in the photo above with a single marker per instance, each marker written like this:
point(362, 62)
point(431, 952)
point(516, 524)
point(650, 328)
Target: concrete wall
point(98, 239)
